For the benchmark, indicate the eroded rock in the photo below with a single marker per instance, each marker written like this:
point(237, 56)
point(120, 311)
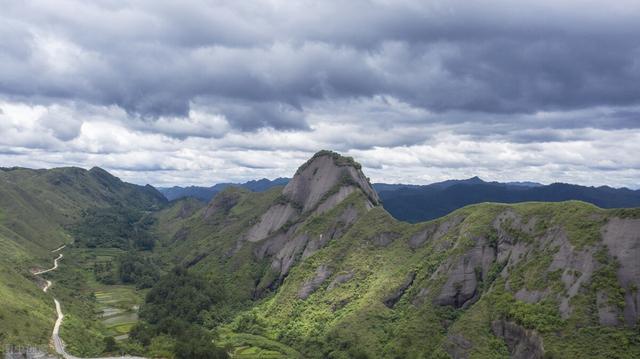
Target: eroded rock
point(622, 238)
point(339, 279)
point(463, 275)
point(393, 298)
point(322, 273)
point(522, 343)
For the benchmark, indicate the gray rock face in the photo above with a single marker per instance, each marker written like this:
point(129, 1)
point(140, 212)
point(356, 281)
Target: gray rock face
point(222, 203)
point(384, 239)
point(622, 238)
point(607, 314)
point(335, 199)
point(531, 296)
point(522, 343)
point(421, 237)
point(393, 298)
point(322, 273)
point(339, 279)
point(320, 175)
point(457, 346)
point(272, 220)
point(461, 287)
point(319, 186)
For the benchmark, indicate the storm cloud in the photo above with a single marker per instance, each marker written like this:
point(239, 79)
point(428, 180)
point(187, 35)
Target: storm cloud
point(174, 84)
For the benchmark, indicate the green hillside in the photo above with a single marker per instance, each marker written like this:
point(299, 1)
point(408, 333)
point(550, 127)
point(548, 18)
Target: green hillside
point(315, 269)
point(488, 280)
point(40, 210)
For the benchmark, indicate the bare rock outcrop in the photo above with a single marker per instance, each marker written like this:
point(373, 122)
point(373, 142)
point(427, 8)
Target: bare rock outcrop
point(522, 343)
point(384, 239)
point(322, 273)
point(622, 238)
point(272, 220)
point(464, 274)
point(393, 298)
point(318, 186)
point(222, 203)
point(339, 279)
point(326, 171)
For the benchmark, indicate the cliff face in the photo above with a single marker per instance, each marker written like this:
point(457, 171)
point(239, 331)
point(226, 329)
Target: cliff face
point(319, 185)
point(491, 280)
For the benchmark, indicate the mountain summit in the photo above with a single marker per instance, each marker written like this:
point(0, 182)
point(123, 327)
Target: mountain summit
point(319, 185)
point(328, 272)
point(328, 177)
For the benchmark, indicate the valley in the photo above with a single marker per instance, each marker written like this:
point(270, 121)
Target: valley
point(313, 269)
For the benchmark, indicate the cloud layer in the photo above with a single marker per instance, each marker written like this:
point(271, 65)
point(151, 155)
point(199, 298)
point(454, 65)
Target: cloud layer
point(199, 92)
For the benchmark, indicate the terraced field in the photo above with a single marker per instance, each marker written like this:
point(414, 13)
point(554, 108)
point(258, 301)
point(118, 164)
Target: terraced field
point(119, 306)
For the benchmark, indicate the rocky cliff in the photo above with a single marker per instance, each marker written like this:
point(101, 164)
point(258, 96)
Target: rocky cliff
point(343, 278)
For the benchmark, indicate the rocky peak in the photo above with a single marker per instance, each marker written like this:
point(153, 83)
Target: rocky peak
point(319, 185)
point(327, 174)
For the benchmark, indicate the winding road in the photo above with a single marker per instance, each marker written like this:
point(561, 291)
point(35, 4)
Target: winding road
point(55, 335)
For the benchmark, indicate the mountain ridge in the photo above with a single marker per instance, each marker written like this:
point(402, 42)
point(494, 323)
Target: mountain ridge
point(487, 280)
point(416, 203)
point(320, 269)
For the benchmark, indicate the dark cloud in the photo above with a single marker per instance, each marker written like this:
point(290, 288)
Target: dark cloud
point(263, 65)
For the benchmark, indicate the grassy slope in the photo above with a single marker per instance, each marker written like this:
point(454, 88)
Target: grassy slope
point(204, 243)
point(36, 208)
point(351, 319)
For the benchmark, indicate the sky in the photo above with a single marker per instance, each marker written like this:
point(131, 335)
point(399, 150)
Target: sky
point(201, 92)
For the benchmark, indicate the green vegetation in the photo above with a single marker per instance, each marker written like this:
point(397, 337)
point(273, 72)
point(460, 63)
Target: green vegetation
point(114, 227)
point(37, 210)
point(319, 287)
point(338, 159)
point(179, 306)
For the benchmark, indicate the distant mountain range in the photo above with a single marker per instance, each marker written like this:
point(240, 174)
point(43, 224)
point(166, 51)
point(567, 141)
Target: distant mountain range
point(207, 193)
point(318, 268)
point(415, 203)
point(418, 203)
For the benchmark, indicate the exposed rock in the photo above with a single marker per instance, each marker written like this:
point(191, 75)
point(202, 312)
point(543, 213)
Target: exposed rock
point(577, 269)
point(461, 287)
point(282, 249)
point(222, 203)
point(320, 175)
point(622, 238)
point(383, 239)
point(272, 220)
point(607, 314)
point(335, 199)
point(339, 279)
point(531, 296)
point(522, 343)
point(393, 298)
point(420, 297)
point(322, 273)
point(457, 346)
point(286, 257)
point(421, 237)
point(443, 228)
point(312, 189)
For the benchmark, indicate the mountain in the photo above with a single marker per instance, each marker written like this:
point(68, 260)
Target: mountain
point(205, 194)
point(418, 203)
point(38, 211)
point(319, 269)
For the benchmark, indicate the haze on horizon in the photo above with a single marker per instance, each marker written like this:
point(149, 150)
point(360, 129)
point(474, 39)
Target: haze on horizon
point(196, 92)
